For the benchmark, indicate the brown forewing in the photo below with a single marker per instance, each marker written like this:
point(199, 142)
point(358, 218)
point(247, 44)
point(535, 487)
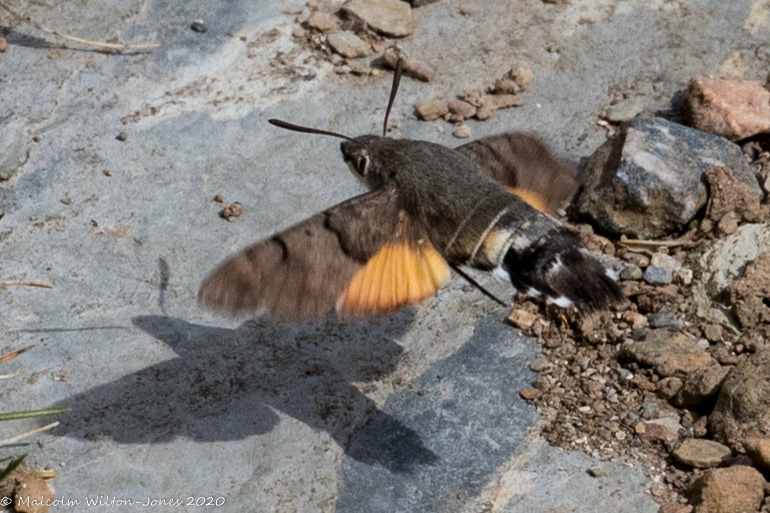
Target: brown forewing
point(521, 161)
point(300, 272)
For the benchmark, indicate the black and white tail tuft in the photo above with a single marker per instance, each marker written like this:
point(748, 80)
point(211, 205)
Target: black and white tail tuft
point(560, 269)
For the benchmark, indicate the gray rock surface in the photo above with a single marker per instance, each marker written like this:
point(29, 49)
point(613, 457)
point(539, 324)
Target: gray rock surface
point(631, 272)
point(169, 401)
point(723, 260)
point(448, 444)
point(646, 180)
point(657, 275)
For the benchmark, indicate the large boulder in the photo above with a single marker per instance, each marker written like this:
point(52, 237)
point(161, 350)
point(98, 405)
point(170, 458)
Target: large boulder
point(647, 181)
point(743, 406)
point(737, 489)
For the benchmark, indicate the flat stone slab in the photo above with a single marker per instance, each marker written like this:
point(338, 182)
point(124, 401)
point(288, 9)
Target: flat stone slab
point(171, 402)
point(467, 412)
point(453, 442)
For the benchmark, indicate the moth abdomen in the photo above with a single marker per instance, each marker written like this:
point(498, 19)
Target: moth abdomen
point(560, 269)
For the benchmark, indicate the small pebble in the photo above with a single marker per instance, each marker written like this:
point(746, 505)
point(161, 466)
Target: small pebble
point(596, 472)
point(432, 109)
point(107, 172)
point(199, 27)
point(626, 110)
point(232, 211)
point(683, 276)
point(219, 199)
point(522, 319)
point(462, 132)
point(657, 275)
point(637, 259)
point(631, 272)
point(665, 261)
point(530, 394)
point(122, 136)
point(713, 332)
point(703, 343)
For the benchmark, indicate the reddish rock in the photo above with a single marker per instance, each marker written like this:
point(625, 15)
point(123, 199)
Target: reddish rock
point(671, 353)
point(485, 112)
point(389, 17)
point(461, 110)
point(505, 86)
point(503, 101)
point(700, 385)
point(531, 393)
point(737, 489)
point(323, 21)
point(431, 110)
point(699, 453)
point(733, 109)
point(664, 430)
point(668, 387)
point(758, 449)
point(349, 45)
point(475, 97)
point(522, 319)
point(743, 408)
point(748, 295)
point(522, 76)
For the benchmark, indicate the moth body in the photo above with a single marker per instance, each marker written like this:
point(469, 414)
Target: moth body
point(430, 207)
point(474, 221)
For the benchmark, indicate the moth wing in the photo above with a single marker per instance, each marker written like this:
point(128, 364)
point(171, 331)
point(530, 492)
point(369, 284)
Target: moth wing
point(401, 273)
point(303, 272)
point(523, 165)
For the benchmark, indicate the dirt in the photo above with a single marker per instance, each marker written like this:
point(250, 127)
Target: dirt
point(593, 401)
point(232, 211)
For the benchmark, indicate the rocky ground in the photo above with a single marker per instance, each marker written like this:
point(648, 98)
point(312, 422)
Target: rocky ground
point(108, 170)
point(675, 378)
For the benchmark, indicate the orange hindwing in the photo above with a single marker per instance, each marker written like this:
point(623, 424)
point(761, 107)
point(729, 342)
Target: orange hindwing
point(399, 274)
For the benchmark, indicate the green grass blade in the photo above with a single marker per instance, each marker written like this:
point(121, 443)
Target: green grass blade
point(11, 467)
point(27, 414)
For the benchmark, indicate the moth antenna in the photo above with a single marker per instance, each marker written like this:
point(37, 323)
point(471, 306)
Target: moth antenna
point(307, 130)
point(477, 285)
point(393, 91)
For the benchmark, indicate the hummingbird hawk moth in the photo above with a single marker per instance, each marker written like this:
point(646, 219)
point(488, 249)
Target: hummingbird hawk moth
point(484, 205)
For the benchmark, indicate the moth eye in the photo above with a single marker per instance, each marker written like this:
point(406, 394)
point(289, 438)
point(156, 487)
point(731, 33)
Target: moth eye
point(361, 164)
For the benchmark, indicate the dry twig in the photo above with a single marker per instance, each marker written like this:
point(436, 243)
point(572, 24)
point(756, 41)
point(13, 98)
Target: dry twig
point(108, 46)
point(22, 283)
point(10, 356)
point(657, 243)
point(13, 440)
